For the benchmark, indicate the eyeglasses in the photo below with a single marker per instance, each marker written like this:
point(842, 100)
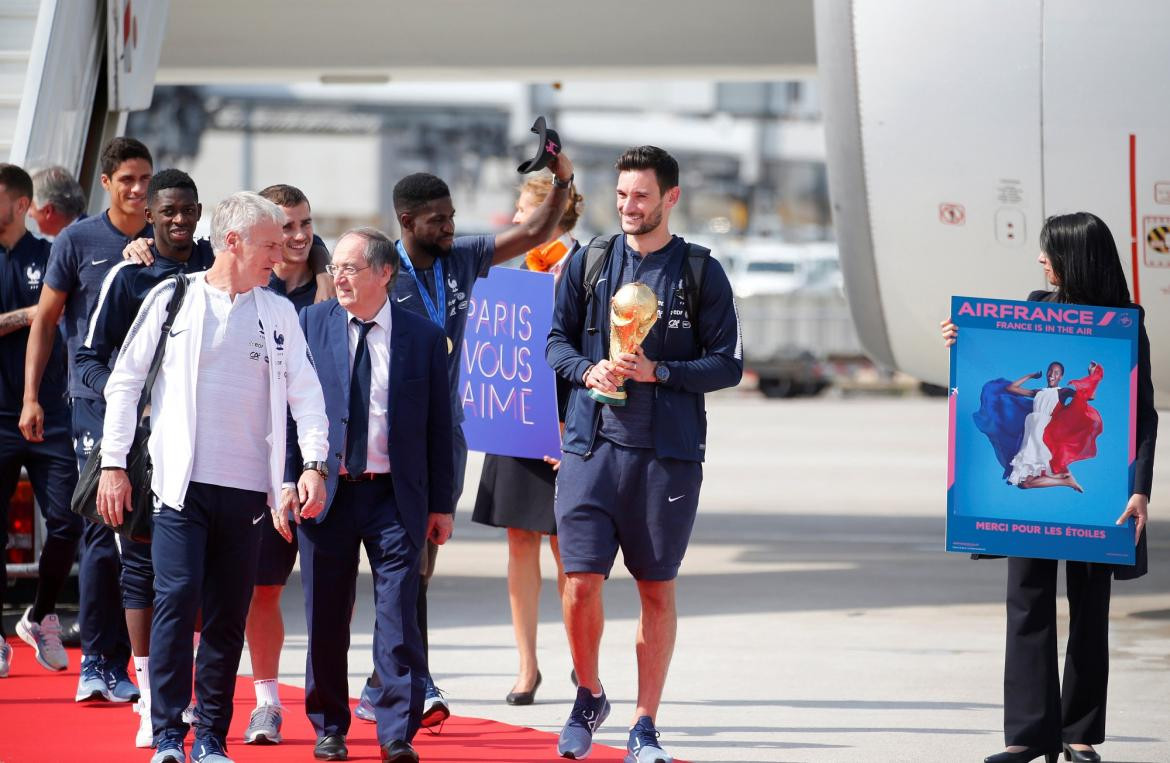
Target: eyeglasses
point(344, 270)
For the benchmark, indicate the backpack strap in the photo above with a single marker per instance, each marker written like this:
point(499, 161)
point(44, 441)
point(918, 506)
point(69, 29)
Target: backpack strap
point(595, 258)
point(697, 257)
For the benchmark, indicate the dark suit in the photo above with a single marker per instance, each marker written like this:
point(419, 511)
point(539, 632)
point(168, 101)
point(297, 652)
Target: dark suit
point(1038, 711)
point(388, 516)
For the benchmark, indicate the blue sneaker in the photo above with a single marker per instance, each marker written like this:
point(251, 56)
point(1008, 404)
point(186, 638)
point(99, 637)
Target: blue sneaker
point(169, 750)
point(91, 685)
point(435, 709)
point(643, 744)
point(209, 749)
point(365, 706)
point(586, 717)
point(121, 688)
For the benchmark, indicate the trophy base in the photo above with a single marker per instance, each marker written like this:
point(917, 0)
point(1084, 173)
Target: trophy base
point(617, 398)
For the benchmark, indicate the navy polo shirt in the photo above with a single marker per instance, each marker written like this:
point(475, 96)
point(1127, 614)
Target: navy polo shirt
point(470, 259)
point(301, 297)
point(22, 271)
point(121, 296)
point(632, 425)
point(80, 259)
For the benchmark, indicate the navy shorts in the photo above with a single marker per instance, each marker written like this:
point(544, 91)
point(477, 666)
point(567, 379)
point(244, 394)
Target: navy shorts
point(137, 574)
point(626, 498)
point(277, 555)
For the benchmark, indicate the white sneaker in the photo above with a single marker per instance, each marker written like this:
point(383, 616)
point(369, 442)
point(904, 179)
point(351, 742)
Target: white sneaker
point(45, 638)
point(5, 657)
point(145, 736)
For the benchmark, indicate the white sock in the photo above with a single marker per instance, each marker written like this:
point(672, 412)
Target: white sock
point(267, 692)
point(142, 673)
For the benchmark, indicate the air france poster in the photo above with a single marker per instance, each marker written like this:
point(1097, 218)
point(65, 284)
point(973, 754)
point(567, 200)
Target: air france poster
point(1043, 400)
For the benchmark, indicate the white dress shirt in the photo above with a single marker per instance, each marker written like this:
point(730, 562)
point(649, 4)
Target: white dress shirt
point(378, 345)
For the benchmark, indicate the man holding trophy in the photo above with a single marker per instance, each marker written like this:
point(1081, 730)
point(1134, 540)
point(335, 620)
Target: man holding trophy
point(635, 429)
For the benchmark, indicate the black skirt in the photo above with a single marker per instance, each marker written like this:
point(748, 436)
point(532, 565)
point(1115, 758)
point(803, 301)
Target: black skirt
point(516, 493)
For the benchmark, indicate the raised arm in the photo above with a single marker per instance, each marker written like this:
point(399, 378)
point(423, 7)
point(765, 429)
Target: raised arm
point(1016, 387)
point(542, 223)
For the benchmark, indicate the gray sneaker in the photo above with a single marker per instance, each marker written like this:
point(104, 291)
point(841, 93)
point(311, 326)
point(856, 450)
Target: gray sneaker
point(264, 725)
point(45, 638)
point(5, 657)
point(587, 715)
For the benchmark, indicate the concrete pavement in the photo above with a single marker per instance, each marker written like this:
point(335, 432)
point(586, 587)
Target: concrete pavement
point(820, 618)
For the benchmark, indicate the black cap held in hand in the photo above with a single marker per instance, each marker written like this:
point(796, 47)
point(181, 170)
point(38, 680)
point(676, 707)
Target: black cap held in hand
point(548, 147)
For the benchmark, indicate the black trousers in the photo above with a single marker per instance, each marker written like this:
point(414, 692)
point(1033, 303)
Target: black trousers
point(1037, 710)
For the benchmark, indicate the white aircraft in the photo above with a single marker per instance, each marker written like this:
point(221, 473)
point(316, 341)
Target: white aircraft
point(955, 128)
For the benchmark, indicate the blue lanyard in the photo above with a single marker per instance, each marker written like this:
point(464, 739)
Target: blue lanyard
point(440, 297)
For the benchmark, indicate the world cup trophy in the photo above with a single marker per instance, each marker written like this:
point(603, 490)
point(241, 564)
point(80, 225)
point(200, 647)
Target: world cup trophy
point(632, 312)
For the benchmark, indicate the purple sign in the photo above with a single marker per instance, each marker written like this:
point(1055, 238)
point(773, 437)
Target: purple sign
point(508, 391)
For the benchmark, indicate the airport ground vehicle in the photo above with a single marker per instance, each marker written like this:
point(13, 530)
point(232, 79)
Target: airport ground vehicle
point(793, 314)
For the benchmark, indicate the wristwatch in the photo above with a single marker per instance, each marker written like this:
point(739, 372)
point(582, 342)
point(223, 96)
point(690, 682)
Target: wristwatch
point(558, 183)
point(320, 467)
point(661, 373)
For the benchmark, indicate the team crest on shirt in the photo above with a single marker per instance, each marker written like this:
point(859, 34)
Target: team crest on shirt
point(34, 276)
point(278, 339)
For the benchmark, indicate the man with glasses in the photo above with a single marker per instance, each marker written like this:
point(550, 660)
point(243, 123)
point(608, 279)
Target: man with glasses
point(388, 487)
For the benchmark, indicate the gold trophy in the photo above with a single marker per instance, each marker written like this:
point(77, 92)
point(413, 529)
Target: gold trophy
point(632, 311)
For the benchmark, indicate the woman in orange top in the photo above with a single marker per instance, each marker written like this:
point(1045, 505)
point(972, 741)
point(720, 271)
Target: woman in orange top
point(517, 493)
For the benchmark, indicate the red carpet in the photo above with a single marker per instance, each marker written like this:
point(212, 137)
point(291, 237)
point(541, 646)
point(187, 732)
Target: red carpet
point(39, 722)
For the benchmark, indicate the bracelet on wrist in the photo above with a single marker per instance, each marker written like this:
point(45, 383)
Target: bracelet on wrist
point(562, 184)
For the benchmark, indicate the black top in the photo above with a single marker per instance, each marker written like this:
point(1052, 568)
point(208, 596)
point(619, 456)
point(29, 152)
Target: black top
point(22, 271)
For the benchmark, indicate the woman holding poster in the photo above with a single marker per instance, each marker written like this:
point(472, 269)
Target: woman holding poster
point(1041, 717)
point(517, 493)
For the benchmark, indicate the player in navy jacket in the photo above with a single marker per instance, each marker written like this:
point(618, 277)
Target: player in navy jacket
point(630, 475)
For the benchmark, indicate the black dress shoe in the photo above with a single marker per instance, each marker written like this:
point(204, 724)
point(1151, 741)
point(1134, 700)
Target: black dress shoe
point(524, 697)
point(399, 752)
point(1023, 756)
point(331, 747)
point(1081, 756)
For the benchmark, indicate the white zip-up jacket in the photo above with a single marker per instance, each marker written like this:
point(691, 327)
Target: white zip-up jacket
point(292, 381)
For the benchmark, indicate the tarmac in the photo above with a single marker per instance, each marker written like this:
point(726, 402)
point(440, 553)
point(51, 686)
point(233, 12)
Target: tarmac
point(820, 617)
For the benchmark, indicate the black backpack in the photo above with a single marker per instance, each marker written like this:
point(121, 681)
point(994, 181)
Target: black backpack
point(597, 256)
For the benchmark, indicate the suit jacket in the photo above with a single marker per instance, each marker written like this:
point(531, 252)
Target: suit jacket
point(420, 444)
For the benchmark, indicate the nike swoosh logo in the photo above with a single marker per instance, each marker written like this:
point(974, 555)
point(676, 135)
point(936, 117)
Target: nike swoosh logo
point(256, 520)
point(403, 299)
point(677, 498)
point(176, 333)
point(99, 262)
point(600, 281)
